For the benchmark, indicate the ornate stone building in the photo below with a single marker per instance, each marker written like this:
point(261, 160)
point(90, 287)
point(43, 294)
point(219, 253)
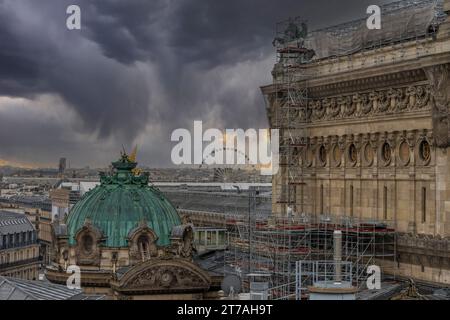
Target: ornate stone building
point(19, 248)
point(366, 131)
point(129, 242)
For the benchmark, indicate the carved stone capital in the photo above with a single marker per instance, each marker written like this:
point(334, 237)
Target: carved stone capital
point(341, 143)
point(411, 138)
point(327, 142)
point(391, 138)
point(358, 141)
point(374, 139)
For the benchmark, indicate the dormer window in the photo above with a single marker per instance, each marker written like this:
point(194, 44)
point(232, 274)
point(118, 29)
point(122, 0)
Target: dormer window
point(144, 246)
point(87, 243)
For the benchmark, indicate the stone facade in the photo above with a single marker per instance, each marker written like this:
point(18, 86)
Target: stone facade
point(19, 247)
point(372, 142)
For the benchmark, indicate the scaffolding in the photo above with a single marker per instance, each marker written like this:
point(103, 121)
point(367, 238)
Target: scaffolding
point(276, 246)
point(272, 245)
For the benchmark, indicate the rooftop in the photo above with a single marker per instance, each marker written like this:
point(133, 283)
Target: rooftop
point(19, 289)
point(12, 222)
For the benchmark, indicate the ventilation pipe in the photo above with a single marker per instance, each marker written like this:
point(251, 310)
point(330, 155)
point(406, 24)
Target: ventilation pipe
point(337, 242)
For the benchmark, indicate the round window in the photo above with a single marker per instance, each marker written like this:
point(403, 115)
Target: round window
point(337, 155)
point(403, 152)
point(322, 155)
point(368, 154)
point(352, 153)
point(386, 152)
point(425, 151)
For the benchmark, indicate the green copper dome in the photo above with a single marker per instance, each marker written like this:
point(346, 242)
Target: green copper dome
point(121, 202)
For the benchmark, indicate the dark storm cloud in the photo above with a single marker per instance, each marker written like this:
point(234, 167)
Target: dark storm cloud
point(138, 65)
point(126, 30)
point(188, 38)
point(19, 71)
point(215, 32)
point(39, 55)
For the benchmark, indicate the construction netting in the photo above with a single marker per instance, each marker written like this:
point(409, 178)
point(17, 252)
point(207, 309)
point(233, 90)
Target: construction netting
point(399, 22)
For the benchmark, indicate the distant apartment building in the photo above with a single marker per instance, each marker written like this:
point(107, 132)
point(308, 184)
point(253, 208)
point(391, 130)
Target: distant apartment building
point(42, 221)
point(63, 198)
point(19, 248)
point(38, 210)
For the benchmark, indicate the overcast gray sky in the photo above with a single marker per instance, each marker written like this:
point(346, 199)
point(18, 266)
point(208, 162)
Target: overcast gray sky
point(137, 70)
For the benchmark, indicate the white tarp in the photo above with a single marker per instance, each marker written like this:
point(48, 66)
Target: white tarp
point(396, 25)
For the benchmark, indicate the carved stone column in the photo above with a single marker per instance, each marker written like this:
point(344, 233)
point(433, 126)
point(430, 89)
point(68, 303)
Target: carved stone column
point(440, 89)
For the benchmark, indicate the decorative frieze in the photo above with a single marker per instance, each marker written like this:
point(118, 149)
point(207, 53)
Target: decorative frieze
point(372, 103)
point(375, 103)
point(440, 88)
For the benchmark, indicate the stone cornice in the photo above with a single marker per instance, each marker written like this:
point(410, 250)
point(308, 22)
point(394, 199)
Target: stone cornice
point(347, 74)
point(380, 81)
point(371, 119)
